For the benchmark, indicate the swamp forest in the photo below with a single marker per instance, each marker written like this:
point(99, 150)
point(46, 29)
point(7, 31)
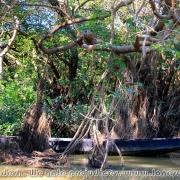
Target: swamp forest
point(99, 69)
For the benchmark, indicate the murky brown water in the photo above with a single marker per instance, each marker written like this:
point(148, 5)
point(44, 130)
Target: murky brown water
point(143, 168)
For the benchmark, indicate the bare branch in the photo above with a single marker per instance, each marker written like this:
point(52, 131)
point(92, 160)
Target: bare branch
point(5, 50)
point(67, 23)
point(61, 48)
point(110, 48)
point(123, 3)
point(155, 11)
point(138, 11)
point(81, 5)
point(149, 38)
point(112, 23)
point(14, 59)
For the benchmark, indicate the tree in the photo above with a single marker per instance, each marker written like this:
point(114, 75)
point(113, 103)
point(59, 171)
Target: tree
point(136, 66)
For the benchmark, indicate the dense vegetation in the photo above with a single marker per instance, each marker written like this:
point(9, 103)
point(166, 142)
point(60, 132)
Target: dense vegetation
point(111, 66)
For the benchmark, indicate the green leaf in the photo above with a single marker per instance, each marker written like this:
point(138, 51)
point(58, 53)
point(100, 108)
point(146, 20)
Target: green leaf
point(178, 54)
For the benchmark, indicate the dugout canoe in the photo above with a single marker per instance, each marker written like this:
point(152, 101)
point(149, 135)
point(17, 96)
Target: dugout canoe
point(128, 147)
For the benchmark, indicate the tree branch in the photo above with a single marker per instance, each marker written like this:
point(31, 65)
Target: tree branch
point(51, 64)
point(140, 8)
point(5, 50)
point(149, 38)
point(155, 11)
point(121, 4)
point(14, 59)
point(60, 48)
point(67, 23)
point(70, 22)
point(114, 49)
point(103, 47)
point(81, 5)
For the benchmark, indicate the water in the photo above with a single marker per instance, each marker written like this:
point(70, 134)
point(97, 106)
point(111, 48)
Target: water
point(143, 168)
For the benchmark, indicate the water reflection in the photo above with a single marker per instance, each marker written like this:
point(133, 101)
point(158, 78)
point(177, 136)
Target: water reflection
point(136, 168)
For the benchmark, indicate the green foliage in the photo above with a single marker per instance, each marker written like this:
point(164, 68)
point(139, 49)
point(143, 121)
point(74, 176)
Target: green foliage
point(65, 115)
point(169, 48)
point(16, 95)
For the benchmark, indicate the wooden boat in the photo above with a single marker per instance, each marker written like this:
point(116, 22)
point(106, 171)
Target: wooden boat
point(128, 147)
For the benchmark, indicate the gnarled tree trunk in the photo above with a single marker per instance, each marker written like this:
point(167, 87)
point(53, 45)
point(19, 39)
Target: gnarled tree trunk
point(35, 132)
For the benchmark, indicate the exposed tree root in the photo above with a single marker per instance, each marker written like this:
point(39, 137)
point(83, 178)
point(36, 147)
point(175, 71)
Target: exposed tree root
point(11, 154)
point(35, 132)
point(94, 123)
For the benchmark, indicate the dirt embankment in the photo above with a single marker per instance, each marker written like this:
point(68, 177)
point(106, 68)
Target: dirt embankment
point(11, 154)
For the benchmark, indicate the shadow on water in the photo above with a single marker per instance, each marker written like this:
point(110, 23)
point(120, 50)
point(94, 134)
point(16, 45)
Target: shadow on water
point(145, 168)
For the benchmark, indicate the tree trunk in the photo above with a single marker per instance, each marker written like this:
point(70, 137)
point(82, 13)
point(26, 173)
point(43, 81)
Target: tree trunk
point(73, 64)
point(152, 111)
point(35, 131)
point(1, 67)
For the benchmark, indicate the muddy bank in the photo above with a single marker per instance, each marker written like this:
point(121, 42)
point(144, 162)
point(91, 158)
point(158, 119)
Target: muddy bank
point(11, 154)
